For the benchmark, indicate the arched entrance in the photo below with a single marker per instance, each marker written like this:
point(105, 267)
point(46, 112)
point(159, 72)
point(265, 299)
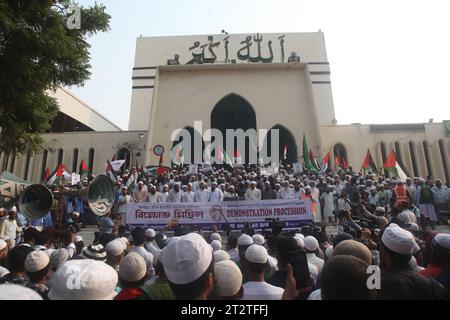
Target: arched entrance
point(341, 153)
point(234, 112)
point(287, 148)
point(124, 154)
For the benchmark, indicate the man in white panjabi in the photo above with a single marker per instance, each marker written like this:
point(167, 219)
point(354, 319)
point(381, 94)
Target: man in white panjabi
point(188, 195)
point(202, 195)
point(253, 193)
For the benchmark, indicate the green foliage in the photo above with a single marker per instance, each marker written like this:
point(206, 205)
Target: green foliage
point(38, 53)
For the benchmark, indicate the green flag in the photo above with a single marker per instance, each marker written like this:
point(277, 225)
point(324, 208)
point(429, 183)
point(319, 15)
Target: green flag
point(308, 165)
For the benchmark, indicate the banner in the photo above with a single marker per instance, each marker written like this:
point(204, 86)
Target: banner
point(236, 213)
point(75, 178)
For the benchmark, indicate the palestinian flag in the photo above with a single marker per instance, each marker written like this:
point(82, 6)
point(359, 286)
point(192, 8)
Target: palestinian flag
point(344, 166)
point(368, 163)
point(83, 168)
point(224, 158)
point(393, 168)
point(324, 166)
point(308, 165)
point(285, 150)
point(59, 175)
point(237, 157)
point(312, 158)
point(336, 162)
point(110, 172)
point(46, 174)
point(179, 156)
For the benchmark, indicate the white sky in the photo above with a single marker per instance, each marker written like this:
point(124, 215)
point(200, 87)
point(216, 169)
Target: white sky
point(389, 60)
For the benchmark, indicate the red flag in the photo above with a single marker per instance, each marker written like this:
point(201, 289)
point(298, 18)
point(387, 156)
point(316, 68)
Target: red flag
point(390, 161)
point(336, 161)
point(368, 162)
point(60, 170)
point(84, 169)
point(161, 171)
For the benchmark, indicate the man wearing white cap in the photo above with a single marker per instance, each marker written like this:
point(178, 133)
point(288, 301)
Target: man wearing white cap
point(256, 259)
point(228, 281)
point(441, 253)
point(9, 227)
point(216, 245)
point(115, 251)
point(140, 193)
point(215, 194)
point(138, 236)
point(377, 216)
point(153, 194)
point(253, 193)
point(37, 266)
point(84, 280)
point(175, 194)
point(124, 198)
point(150, 242)
point(398, 281)
point(132, 275)
point(202, 194)
point(189, 195)
point(3, 257)
point(311, 246)
point(189, 265)
point(221, 255)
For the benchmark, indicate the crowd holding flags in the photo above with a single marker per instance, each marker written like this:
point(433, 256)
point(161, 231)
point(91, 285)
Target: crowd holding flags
point(391, 166)
point(368, 163)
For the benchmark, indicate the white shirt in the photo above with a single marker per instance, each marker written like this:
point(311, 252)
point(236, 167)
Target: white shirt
point(315, 295)
point(439, 194)
point(163, 197)
point(153, 198)
point(343, 204)
point(216, 195)
point(9, 228)
point(261, 291)
point(153, 248)
point(174, 197)
point(201, 195)
point(313, 259)
point(254, 194)
point(3, 272)
point(287, 193)
point(188, 196)
point(148, 257)
point(125, 199)
point(407, 217)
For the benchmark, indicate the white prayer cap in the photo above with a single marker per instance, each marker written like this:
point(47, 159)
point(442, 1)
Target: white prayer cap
point(413, 227)
point(58, 257)
point(125, 241)
point(132, 267)
point(443, 240)
point(256, 254)
point(228, 278)
point(421, 179)
point(115, 247)
point(221, 255)
point(258, 239)
point(329, 252)
point(215, 236)
point(150, 233)
point(214, 183)
point(140, 182)
point(300, 241)
point(13, 209)
point(311, 243)
point(380, 209)
point(16, 292)
point(245, 240)
point(186, 258)
point(253, 182)
point(78, 239)
point(399, 240)
point(2, 244)
point(75, 213)
point(36, 261)
point(299, 235)
point(216, 245)
point(95, 280)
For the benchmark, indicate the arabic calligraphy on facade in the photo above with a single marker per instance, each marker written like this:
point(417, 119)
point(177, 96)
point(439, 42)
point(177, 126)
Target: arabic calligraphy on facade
point(251, 51)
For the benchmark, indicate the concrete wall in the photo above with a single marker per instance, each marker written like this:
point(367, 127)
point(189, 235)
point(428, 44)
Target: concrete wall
point(155, 51)
point(279, 94)
point(105, 145)
point(358, 138)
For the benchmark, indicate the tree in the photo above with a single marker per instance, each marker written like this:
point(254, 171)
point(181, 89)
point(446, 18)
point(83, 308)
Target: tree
point(39, 53)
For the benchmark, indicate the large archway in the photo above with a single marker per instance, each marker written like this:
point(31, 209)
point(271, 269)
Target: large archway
point(234, 112)
point(287, 148)
point(124, 154)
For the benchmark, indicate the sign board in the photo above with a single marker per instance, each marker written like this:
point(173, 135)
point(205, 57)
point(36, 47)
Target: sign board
point(193, 169)
point(298, 168)
point(235, 213)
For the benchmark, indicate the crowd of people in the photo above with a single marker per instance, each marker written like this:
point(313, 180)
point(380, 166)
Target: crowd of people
point(380, 222)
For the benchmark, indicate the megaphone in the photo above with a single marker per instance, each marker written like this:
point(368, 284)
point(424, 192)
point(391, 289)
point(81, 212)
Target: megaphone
point(99, 194)
point(34, 200)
